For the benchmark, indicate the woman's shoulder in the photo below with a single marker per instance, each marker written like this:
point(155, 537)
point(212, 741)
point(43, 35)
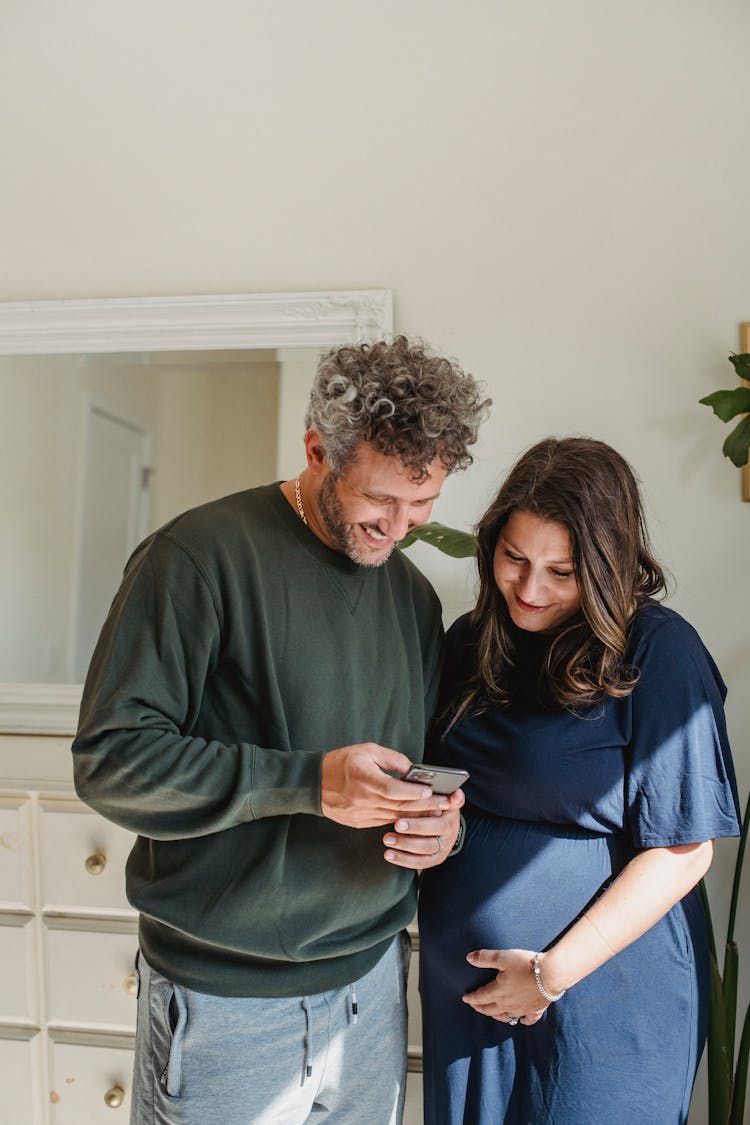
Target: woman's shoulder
point(462, 633)
point(660, 637)
point(657, 623)
point(460, 652)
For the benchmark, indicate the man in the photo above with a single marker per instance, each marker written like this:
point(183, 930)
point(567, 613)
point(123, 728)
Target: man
point(262, 683)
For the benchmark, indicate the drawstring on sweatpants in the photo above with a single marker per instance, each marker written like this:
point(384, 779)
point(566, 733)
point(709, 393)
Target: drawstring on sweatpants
point(307, 1071)
point(352, 1012)
point(351, 1001)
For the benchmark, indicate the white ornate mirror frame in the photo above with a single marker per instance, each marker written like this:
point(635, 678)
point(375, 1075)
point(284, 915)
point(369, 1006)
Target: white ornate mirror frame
point(152, 324)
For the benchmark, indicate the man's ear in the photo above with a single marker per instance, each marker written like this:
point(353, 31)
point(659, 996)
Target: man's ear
point(315, 450)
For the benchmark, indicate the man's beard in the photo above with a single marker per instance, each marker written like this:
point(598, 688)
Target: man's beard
point(341, 533)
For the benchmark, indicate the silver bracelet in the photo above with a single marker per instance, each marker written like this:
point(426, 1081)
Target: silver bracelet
point(460, 838)
point(538, 978)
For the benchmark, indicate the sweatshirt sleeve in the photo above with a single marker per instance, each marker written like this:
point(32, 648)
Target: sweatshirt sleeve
point(135, 759)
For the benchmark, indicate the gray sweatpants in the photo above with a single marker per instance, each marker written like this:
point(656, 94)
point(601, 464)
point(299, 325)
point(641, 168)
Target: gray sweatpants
point(337, 1057)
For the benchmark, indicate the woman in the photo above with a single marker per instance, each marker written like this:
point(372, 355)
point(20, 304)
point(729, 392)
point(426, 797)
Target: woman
point(564, 960)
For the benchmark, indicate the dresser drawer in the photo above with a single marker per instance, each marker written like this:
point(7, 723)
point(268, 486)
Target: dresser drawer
point(89, 1085)
point(18, 995)
point(20, 1080)
point(16, 864)
point(83, 1076)
point(91, 978)
point(82, 860)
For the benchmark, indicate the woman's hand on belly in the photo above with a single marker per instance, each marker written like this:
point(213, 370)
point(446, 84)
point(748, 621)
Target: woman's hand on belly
point(513, 994)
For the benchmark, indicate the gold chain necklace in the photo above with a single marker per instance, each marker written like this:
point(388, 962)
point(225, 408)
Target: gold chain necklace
point(298, 496)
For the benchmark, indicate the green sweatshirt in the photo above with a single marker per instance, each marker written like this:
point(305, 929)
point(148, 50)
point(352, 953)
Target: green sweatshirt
point(237, 652)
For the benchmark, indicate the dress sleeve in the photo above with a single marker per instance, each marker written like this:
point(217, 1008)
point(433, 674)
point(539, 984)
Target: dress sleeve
point(680, 781)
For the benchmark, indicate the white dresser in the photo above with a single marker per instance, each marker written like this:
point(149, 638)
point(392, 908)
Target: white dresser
point(67, 945)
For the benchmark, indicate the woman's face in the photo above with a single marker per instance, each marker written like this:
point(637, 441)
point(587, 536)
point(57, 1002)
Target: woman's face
point(533, 569)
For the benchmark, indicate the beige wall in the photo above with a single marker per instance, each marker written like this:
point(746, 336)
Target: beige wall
point(555, 192)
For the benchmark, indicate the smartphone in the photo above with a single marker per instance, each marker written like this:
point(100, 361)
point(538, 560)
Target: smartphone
point(441, 779)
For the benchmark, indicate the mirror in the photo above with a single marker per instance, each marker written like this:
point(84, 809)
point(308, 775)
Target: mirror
point(97, 451)
point(117, 415)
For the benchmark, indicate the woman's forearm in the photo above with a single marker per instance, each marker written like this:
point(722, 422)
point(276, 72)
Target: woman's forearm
point(645, 890)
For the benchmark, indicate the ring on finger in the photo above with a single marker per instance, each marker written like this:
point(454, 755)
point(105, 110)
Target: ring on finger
point(439, 844)
point(512, 1020)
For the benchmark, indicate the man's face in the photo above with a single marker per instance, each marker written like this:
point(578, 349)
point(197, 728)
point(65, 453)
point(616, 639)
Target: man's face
point(373, 503)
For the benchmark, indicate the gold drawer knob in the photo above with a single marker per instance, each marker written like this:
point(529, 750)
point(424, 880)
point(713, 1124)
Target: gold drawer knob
point(130, 984)
point(95, 863)
point(114, 1097)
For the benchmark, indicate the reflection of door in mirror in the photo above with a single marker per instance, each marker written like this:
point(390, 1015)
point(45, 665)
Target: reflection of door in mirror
point(115, 490)
point(76, 433)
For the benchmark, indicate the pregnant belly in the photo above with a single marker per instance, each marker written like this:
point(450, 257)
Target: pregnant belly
point(514, 885)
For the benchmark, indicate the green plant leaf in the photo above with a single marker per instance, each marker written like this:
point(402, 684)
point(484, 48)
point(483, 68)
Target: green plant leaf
point(741, 364)
point(719, 1067)
point(457, 544)
point(729, 992)
point(738, 863)
point(739, 1088)
point(707, 907)
point(726, 1098)
point(736, 445)
point(728, 404)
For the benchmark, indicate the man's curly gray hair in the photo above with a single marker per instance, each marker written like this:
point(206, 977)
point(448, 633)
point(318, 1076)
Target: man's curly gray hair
point(404, 401)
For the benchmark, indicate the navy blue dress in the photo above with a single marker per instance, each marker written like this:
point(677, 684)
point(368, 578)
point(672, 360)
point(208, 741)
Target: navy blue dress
point(558, 804)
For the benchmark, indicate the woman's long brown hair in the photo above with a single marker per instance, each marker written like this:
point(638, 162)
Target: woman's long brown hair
point(589, 488)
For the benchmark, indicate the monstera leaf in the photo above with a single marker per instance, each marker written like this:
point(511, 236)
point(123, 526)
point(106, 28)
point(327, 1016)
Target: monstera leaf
point(727, 405)
point(457, 544)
